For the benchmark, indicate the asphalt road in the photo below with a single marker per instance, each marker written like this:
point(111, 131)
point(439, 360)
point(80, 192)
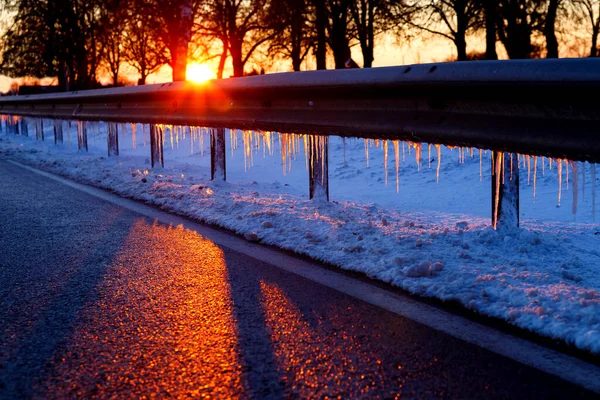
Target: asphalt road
point(99, 301)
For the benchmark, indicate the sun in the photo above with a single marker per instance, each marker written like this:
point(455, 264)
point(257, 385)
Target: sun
point(199, 73)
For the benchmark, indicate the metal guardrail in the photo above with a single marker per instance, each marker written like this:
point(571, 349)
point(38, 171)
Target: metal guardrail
point(541, 107)
point(537, 107)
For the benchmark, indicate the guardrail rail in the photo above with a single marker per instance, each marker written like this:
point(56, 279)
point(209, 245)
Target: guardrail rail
point(537, 107)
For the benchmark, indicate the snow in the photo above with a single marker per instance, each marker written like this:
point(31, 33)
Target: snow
point(431, 239)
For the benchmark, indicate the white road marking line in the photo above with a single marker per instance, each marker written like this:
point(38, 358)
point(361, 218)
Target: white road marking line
point(566, 367)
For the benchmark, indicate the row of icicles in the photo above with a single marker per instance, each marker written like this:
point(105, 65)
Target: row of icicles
point(292, 145)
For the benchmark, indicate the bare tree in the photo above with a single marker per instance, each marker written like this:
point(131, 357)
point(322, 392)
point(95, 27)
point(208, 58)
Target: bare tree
point(321, 28)
point(173, 20)
point(370, 18)
point(517, 21)
point(114, 22)
point(550, 28)
point(295, 36)
point(451, 19)
point(339, 30)
point(589, 10)
point(240, 25)
point(142, 48)
point(491, 18)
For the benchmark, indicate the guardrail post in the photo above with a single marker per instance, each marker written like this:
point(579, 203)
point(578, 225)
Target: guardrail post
point(24, 127)
point(14, 126)
point(217, 154)
point(113, 139)
point(318, 170)
point(505, 191)
point(156, 145)
point(82, 142)
point(39, 129)
point(58, 131)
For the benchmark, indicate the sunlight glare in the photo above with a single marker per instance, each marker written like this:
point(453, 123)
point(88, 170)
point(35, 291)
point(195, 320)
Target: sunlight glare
point(199, 73)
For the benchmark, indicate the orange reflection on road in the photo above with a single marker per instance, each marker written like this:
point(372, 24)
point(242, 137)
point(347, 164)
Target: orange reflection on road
point(161, 324)
point(307, 359)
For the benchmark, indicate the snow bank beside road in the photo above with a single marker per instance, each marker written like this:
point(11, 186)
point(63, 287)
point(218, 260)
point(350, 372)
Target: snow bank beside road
point(544, 277)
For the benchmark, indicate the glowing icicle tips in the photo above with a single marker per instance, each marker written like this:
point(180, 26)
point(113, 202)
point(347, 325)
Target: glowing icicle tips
point(559, 181)
point(397, 158)
point(497, 168)
point(567, 173)
point(574, 170)
point(439, 163)
point(385, 162)
point(593, 177)
point(134, 136)
point(480, 165)
point(429, 155)
point(535, 161)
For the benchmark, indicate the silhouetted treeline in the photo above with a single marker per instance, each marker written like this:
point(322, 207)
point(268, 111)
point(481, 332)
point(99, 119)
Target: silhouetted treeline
point(77, 40)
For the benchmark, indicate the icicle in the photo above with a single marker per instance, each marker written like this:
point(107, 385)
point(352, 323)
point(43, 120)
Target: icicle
point(133, 135)
point(567, 173)
point(397, 157)
point(528, 170)
point(535, 159)
point(403, 152)
point(429, 155)
point(543, 166)
point(583, 181)
point(593, 177)
point(385, 162)
point(481, 165)
point(366, 141)
point(344, 143)
point(504, 169)
point(559, 180)
point(574, 171)
point(144, 131)
point(439, 163)
point(498, 168)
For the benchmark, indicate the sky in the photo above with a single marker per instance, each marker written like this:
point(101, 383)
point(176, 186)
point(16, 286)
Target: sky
point(387, 53)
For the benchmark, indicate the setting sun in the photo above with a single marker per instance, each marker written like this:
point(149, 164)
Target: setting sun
point(199, 73)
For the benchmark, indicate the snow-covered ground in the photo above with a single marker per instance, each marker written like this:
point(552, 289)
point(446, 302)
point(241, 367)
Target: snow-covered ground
point(430, 238)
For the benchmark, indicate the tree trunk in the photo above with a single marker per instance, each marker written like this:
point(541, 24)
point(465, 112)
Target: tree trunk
point(490, 30)
point(461, 46)
point(222, 59)
point(460, 38)
point(296, 38)
point(180, 52)
point(235, 49)
point(594, 48)
point(550, 30)
point(367, 52)
point(338, 36)
point(321, 53)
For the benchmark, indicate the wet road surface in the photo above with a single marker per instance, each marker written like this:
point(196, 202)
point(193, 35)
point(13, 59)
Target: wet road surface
point(99, 301)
